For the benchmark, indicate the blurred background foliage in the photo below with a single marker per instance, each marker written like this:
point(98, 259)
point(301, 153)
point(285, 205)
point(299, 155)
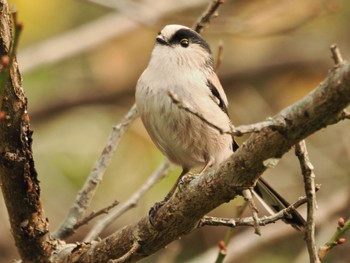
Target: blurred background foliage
point(80, 62)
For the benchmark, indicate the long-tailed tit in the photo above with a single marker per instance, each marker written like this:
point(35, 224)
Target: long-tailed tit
point(181, 63)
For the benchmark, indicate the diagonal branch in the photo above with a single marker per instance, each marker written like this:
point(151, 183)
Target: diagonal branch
point(110, 26)
point(128, 204)
point(277, 123)
point(207, 15)
point(86, 194)
point(336, 239)
point(93, 215)
point(180, 215)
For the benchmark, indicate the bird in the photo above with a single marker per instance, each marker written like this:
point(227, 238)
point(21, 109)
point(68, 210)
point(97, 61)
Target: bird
point(182, 64)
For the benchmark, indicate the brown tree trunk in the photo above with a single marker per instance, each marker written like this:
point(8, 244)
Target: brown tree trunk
point(19, 182)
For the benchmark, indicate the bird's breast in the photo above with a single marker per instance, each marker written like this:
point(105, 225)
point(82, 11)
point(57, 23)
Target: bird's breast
point(182, 137)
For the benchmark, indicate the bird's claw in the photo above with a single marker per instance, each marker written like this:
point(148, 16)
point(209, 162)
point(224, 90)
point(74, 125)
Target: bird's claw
point(186, 179)
point(153, 211)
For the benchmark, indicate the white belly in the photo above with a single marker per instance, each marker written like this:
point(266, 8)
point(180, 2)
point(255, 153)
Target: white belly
point(182, 137)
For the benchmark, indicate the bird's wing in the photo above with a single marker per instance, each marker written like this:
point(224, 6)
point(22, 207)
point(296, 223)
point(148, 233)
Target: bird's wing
point(220, 98)
point(218, 92)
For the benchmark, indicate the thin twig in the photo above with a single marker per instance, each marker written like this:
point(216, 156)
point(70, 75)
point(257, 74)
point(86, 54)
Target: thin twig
point(223, 244)
point(236, 131)
point(131, 252)
point(307, 170)
point(247, 194)
point(250, 221)
point(6, 61)
point(205, 18)
point(79, 40)
point(336, 55)
point(175, 99)
point(275, 124)
point(219, 56)
point(93, 215)
point(344, 115)
point(336, 239)
point(86, 194)
point(161, 171)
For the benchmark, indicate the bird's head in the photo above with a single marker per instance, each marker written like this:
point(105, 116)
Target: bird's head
point(184, 47)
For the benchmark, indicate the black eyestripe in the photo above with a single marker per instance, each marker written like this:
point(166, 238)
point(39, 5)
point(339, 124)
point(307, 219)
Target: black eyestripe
point(193, 37)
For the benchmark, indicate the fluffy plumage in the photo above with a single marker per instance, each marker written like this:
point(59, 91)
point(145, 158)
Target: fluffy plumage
point(182, 63)
point(188, 73)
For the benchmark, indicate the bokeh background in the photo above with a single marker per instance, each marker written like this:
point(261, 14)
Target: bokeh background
point(80, 61)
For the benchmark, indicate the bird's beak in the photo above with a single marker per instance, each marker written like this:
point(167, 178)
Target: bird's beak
point(161, 40)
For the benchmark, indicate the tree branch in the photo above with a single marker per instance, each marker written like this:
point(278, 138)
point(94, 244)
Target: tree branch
point(93, 215)
point(248, 197)
point(224, 243)
point(18, 177)
point(250, 221)
point(277, 123)
point(78, 40)
point(131, 252)
point(180, 215)
point(336, 239)
point(207, 15)
point(307, 170)
point(86, 194)
point(336, 55)
point(128, 204)
point(344, 115)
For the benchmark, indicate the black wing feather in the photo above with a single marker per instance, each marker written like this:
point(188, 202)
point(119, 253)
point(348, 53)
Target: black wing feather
point(223, 107)
point(216, 94)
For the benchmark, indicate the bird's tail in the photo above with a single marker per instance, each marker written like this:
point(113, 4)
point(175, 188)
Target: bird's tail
point(274, 202)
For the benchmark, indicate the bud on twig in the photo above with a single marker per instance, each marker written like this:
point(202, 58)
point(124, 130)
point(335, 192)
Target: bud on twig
point(341, 222)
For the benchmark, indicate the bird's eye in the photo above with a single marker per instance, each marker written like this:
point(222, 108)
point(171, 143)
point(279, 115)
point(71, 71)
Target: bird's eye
point(184, 42)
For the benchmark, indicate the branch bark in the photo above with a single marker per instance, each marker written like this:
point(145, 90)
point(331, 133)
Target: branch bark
point(179, 216)
point(19, 182)
point(307, 170)
point(20, 186)
point(249, 221)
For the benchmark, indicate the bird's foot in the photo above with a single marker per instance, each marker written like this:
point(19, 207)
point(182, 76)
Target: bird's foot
point(153, 211)
point(186, 179)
